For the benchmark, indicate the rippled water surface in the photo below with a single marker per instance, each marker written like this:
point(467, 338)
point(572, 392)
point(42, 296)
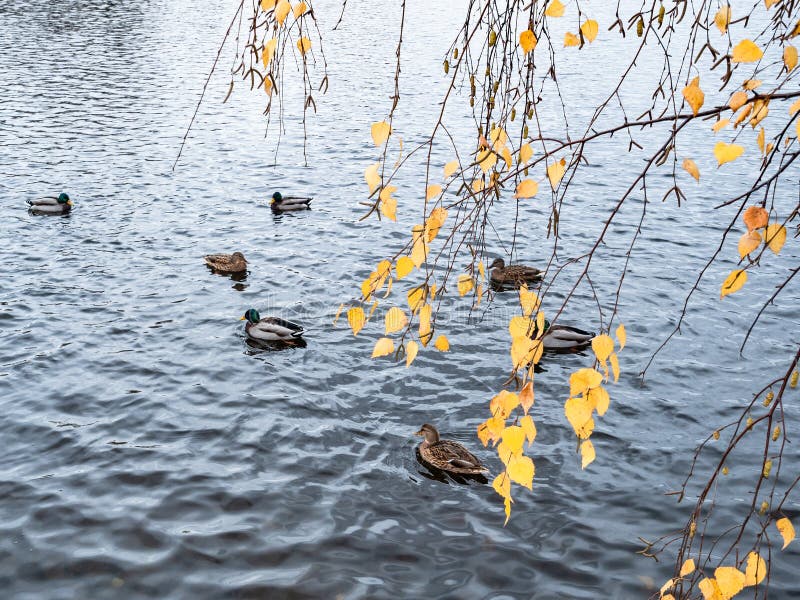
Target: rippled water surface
point(149, 452)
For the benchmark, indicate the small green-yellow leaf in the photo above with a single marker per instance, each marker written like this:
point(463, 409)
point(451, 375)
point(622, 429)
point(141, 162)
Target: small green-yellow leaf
point(527, 188)
point(412, 348)
point(380, 132)
point(356, 318)
point(746, 52)
point(395, 320)
point(733, 282)
point(587, 453)
point(554, 9)
point(383, 347)
point(442, 344)
point(589, 29)
point(691, 168)
point(527, 41)
point(775, 237)
point(727, 152)
point(786, 530)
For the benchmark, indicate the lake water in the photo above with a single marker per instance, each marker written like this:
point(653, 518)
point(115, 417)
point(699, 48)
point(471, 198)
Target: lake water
point(148, 452)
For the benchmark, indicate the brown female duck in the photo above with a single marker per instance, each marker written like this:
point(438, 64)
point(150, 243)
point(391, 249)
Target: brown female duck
point(447, 455)
point(227, 263)
point(512, 275)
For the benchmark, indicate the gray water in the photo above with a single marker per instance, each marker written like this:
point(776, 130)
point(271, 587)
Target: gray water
point(149, 452)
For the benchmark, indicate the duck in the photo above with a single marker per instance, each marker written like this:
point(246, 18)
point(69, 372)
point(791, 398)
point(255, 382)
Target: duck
point(281, 203)
point(512, 276)
point(51, 205)
point(447, 455)
point(564, 338)
point(227, 263)
point(270, 329)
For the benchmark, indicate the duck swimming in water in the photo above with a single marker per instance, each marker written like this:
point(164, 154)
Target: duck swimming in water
point(512, 276)
point(447, 455)
point(564, 338)
point(281, 203)
point(270, 329)
point(51, 205)
point(227, 263)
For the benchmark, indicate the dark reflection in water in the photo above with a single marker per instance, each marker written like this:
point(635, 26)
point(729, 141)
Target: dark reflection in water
point(147, 451)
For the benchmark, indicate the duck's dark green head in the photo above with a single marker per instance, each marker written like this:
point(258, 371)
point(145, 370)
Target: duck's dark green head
point(251, 315)
point(276, 197)
point(546, 327)
point(64, 199)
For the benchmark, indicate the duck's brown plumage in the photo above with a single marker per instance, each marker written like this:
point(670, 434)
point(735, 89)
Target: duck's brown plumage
point(227, 263)
point(447, 455)
point(513, 275)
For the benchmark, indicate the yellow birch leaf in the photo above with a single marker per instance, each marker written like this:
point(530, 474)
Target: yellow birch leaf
point(304, 45)
point(584, 379)
point(403, 267)
point(506, 154)
point(268, 85)
point(380, 132)
point(435, 221)
point(520, 326)
point(727, 152)
point(498, 137)
point(614, 365)
point(521, 470)
point(372, 177)
point(691, 168)
point(425, 331)
point(477, 185)
point(412, 348)
point(775, 237)
point(481, 270)
point(419, 251)
point(507, 507)
point(389, 208)
point(383, 347)
point(587, 453)
point(755, 217)
point(621, 336)
point(555, 172)
point(514, 438)
point(721, 124)
point(527, 188)
point(395, 320)
point(503, 403)
point(554, 9)
point(267, 4)
point(527, 41)
point(603, 346)
point(599, 398)
point(442, 344)
point(579, 414)
point(794, 107)
point(786, 530)
point(450, 168)
point(526, 397)
point(694, 95)
point(299, 10)
point(760, 140)
point(269, 51)
point(570, 39)
point(687, 568)
point(465, 284)
point(525, 153)
point(589, 29)
point(709, 589)
point(790, 58)
point(502, 485)
point(282, 10)
point(738, 99)
point(432, 191)
point(356, 318)
point(416, 297)
point(746, 52)
point(794, 32)
point(722, 18)
point(486, 159)
point(770, 3)
point(756, 569)
point(751, 84)
point(528, 426)
point(528, 300)
point(749, 242)
point(733, 282)
point(730, 581)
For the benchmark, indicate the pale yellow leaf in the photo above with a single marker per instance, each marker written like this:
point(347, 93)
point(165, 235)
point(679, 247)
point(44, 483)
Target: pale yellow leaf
point(760, 140)
point(599, 398)
point(395, 320)
point(502, 485)
point(738, 99)
point(432, 191)
point(554, 9)
point(486, 159)
point(786, 530)
point(691, 167)
point(527, 188)
point(527, 41)
point(465, 284)
point(621, 336)
point(267, 4)
point(603, 346)
point(526, 397)
point(450, 168)
point(666, 587)
point(304, 45)
point(730, 581)
point(709, 589)
point(525, 153)
point(749, 242)
point(404, 266)
point(383, 347)
point(756, 569)
point(521, 470)
point(380, 132)
point(790, 57)
point(555, 172)
point(528, 300)
point(528, 426)
point(579, 414)
point(389, 208)
point(412, 348)
point(520, 326)
point(614, 365)
point(299, 10)
point(584, 379)
point(282, 10)
point(727, 152)
point(721, 124)
point(722, 18)
point(775, 236)
point(570, 39)
point(442, 343)
point(694, 95)
point(589, 29)
point(687, 568)
point(587, 453)
point(372, 177)
point(746, 52)
point(269, 51)
point(356, 318)
point(733, 282)
point(751, 84)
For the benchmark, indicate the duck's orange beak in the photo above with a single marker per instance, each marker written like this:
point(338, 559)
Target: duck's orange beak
point(420, 432)
point(243, 319)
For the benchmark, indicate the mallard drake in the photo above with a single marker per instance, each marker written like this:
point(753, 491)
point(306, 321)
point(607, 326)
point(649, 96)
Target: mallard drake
point(447, 455)
point(280, 203)
point(512, 275)
point(227, 263)
point(51, 205)
point(564, 338)
point(270, 329)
